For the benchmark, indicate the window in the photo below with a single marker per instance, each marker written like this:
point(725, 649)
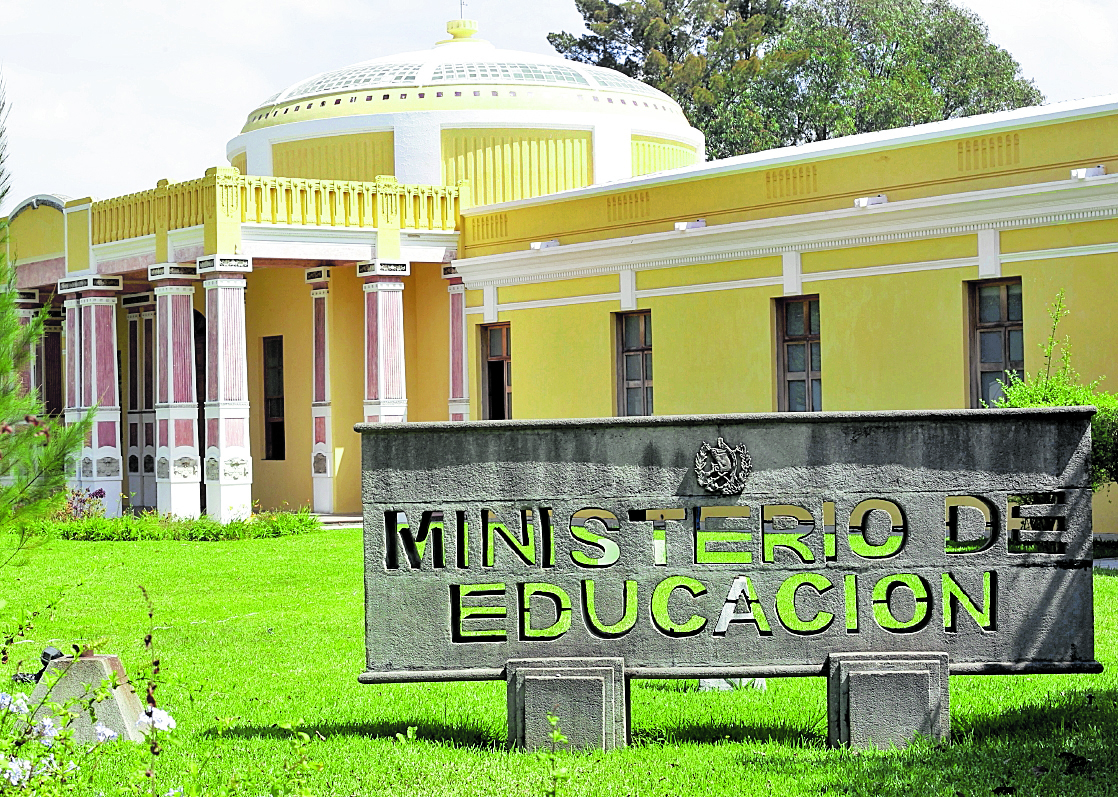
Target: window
point(997, 338)
point(274, 441)
point(634, 363)
point(798, 355)
point(497, 377)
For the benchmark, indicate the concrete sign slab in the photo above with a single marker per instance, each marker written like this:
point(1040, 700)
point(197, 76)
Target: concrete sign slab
point(729, 546)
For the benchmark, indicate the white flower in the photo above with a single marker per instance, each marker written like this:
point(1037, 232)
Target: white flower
point(104, 733)
point(47, 765)
point(18, 704)
point(155, 719)
point(5, 701)
point(46, 730)
point(17, 772)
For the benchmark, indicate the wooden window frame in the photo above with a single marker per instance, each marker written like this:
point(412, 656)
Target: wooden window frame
point(275, 427)
point(784, 340)
point(486, 358)
point(644, 383)
point(976, 326)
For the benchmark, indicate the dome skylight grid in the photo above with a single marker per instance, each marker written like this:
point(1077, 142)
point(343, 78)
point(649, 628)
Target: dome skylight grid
point(516, 72)
point(609, 79)
point(355, 76)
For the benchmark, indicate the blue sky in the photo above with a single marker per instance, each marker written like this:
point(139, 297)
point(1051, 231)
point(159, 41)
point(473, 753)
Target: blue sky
point(108, 96)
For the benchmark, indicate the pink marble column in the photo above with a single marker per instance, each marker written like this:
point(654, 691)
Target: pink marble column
point(72, 412)
point(101, 466)
point(228, 470)
point(322, 444)
point(178, 466)
point(459, 404)
point(385, 387)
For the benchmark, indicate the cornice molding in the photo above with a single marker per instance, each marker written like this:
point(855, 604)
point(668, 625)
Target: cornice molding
point(919, 219)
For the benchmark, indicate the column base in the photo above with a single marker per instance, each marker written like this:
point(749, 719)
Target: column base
point(589, 696)
point(180, 499)
point(323, 494)
point(459, 409)
point(885, 699)
point(228, 502)
point(386, 411)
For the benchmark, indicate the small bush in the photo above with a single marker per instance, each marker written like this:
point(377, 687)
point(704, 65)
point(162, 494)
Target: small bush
point(153, 526)
point(1061, 387)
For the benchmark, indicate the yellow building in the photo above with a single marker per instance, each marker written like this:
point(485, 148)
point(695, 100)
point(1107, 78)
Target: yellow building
point(392, 236)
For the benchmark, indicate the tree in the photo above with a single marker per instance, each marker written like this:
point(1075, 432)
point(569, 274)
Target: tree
point(35, 452)
point(760, 74)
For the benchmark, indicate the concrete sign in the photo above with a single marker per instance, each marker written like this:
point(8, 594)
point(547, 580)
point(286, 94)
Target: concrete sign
point(727, 546)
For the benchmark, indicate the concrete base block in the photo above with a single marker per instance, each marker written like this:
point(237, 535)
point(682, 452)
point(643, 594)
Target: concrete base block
point(589, 696)
point(79, 678)
point(885, 699)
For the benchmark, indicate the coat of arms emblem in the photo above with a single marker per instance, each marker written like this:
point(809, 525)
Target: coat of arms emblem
point(721, 468)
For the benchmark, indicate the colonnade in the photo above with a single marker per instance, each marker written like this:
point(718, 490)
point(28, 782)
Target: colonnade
point(179, 460)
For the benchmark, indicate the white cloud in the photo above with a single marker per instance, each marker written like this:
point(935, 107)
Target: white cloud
point(108, 97)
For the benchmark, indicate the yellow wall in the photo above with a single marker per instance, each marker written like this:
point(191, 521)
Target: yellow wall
point(712, 352)
point(77, 235)
point(361, 156)
point(347, 383)
point(659, 154)
point(503, 165)
point(278, 302)
point(894, 342)
point(240, 163)
point(427, 342)
point(36, 234)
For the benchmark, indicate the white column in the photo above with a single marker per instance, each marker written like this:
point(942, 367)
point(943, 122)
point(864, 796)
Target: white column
point(385, 387)
point(228, 461)
point(101, 465)
point(459, 404)
point(322, 444)
point(177, 465)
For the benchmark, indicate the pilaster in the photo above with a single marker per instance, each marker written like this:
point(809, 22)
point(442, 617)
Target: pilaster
point(322, 444)
point(459, 403)
point(228, 471)
point(72, 412)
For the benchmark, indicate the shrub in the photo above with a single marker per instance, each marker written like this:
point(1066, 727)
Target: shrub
point(153, 526)
point(1062, 387)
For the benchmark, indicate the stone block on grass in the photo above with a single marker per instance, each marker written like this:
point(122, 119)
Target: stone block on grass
point(69, 679)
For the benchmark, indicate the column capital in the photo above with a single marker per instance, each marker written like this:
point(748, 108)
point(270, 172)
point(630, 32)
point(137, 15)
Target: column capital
point(95, 282)
point(224, 281)
point(223, 265)
point(320, 292)
point(374, 285)
point(172, 271)
point(98, 298)
point(174, 289)
point(456, 287)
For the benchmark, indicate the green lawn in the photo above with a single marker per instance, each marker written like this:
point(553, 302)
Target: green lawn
point(271, 630)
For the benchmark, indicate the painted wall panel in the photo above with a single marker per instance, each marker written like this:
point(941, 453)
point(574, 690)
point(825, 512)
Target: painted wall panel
point(712, 352)
point(360, 156)
point(659, 154)
point(36, 233)
point(504, 165)
point(894, 342)
point(947, 248)
point(562, 362)
point(754, 268)
point(585, 286)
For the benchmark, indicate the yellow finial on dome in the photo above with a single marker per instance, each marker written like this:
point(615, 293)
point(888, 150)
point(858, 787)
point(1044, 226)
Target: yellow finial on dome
point(462, 29)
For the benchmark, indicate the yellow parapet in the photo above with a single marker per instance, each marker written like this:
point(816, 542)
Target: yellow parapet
point(224, 199)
